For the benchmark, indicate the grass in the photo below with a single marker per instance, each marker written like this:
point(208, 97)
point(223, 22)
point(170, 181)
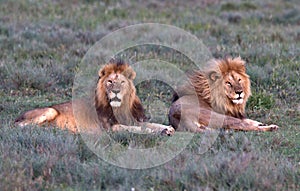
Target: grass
point(42, 44)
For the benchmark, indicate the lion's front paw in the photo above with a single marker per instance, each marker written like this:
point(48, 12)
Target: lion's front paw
point(169, 131)
point(260, 126)
point(268, 127)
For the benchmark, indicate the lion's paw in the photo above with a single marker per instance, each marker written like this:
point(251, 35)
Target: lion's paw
point(168, 131)
point(268, 127)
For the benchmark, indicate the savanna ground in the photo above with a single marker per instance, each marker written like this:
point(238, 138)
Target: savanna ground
point(42, 43)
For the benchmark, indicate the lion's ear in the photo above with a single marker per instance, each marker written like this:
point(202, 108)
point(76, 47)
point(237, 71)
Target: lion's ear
point(101, 73)
point(130, 73)
point(213, 76)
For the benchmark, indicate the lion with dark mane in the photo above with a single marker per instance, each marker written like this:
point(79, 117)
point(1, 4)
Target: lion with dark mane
point(215, 98)
point(115, 101)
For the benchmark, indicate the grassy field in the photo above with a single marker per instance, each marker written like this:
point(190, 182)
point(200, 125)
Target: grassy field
point(43, 42)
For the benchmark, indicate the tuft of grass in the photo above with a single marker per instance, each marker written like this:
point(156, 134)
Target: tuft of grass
point(59, 160)
point(42, 77)
point(245, 6)
point(261, 100)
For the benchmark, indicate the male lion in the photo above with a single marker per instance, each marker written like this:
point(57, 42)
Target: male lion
point(215, 98)
point(115, 101)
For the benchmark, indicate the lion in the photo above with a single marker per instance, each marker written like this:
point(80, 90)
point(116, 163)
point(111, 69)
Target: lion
point(117, 106)
point(215, 98)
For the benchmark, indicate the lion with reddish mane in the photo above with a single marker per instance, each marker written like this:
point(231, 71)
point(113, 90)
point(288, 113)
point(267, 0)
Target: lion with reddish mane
point(215, 98)
point(117, 106)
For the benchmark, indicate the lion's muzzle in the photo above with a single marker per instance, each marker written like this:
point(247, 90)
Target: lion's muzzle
point(239, 97)
point(115, 98)
point(115, 102)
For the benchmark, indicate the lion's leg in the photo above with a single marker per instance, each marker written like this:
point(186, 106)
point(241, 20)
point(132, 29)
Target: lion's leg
point(145, 128)
point(228, 122)
point(260, 126)
point(37, 116)
point(199, 120)
point(133, 129)
point(159, 128)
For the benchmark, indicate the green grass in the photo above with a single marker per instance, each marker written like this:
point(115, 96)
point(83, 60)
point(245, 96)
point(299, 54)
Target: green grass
point(42, 44)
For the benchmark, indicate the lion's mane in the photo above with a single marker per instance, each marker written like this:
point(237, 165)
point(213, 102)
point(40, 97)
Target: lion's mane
point(131, 110)
point(208, 85)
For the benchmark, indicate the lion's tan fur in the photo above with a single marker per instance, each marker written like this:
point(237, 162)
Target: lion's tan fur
point(208, 86)
point(61, 115)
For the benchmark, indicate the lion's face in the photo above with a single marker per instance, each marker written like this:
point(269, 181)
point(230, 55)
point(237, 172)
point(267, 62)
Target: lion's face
point(117, 87)
point(234, 87)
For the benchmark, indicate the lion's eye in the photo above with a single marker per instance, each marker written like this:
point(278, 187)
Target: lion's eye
point(123, 82)
point(228, 84)
point(240, 80)
point(109, 82)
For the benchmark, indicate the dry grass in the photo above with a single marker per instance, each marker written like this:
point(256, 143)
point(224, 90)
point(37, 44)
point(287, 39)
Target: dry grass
point(42, 44)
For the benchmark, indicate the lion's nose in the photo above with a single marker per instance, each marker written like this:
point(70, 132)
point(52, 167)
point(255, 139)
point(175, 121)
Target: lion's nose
point(239, 92)
point(115, 91)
